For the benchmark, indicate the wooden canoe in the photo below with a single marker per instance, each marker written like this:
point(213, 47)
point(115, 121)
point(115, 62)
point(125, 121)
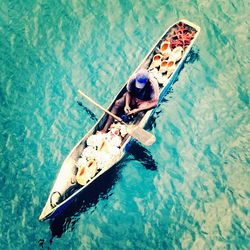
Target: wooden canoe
point(179, 37)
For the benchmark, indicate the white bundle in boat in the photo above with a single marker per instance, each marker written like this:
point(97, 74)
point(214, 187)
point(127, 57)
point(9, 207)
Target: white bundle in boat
point(113, 138)
point(86, 171)
point(89, 152)
point(96, 140)
point(101, 153)
point(108, 155)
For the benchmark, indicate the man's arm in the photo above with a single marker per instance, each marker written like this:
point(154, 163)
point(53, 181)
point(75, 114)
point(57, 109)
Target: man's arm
point(127, 108)
point(144, 105)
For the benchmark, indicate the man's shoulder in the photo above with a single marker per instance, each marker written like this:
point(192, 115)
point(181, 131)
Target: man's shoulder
point(130, 83)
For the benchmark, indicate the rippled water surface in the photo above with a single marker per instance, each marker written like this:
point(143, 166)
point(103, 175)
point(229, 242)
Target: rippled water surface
point(190, 190)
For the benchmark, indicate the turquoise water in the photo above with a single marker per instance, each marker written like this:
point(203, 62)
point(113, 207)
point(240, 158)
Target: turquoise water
point(190, 190)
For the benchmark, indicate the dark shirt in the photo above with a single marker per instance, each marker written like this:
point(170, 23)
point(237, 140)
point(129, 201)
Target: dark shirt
point(145, 94)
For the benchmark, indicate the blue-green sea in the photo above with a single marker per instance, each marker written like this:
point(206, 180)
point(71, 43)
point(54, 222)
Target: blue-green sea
point(190, 190)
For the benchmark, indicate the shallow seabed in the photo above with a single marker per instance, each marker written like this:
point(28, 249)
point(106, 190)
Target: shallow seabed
point(190, 190)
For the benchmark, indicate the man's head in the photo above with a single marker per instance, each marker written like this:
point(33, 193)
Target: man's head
point(141, 78)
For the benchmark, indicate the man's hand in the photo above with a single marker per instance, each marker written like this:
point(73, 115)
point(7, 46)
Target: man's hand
point(133, 111)
point(127, 109)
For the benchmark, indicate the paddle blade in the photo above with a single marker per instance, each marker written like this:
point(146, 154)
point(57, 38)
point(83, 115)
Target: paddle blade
point(141, 135)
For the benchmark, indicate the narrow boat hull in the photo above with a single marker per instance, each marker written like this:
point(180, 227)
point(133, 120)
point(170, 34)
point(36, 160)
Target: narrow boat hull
point(65, 179)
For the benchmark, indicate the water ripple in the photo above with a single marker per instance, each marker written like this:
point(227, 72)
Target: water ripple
point(187, 191)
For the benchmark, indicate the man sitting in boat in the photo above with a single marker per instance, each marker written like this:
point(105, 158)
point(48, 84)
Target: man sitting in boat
point(142, 94)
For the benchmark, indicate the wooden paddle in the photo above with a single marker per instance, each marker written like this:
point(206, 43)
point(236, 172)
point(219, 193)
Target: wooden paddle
point(136, 132)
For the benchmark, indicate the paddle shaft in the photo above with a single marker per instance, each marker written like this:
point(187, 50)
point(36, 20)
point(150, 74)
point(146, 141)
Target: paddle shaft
point(100, 107)
point(138, 133)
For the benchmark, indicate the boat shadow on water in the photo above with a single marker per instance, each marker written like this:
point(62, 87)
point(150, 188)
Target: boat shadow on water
point(192, 56)
point(99, 190)
point(91, 115)
point(141, 154)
